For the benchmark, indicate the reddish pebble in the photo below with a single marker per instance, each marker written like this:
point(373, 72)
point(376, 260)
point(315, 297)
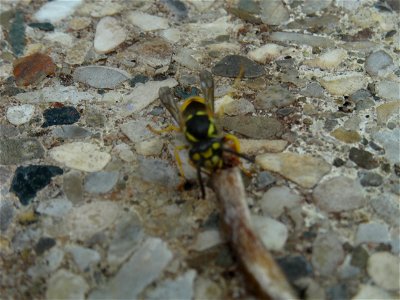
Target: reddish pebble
point(33, 68)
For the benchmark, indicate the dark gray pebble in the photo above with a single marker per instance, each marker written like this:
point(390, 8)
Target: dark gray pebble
point(16, 151)
point(60, 116)
point(363, 158)
point(231, 65)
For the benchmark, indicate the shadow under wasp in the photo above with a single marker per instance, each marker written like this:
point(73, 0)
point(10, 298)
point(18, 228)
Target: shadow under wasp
point(209, 150)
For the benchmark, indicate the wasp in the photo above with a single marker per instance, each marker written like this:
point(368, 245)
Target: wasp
point(209, 150)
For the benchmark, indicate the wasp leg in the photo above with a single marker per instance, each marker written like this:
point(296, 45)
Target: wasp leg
point(200, 179)
point(235, 150)
point(169, 128)
point(235, 142)
point(179, 163)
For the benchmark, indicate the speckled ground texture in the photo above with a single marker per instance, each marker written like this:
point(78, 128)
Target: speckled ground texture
point(90, 205)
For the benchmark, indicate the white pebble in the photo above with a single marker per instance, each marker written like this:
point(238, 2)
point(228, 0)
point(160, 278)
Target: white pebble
point(109, 35)
point(18, 115)
point(147, 22)
point(383, 268)
point(265, 53)
point(57, 10)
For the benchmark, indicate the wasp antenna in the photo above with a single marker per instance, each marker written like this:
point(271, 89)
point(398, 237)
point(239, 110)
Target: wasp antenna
point(241, 155)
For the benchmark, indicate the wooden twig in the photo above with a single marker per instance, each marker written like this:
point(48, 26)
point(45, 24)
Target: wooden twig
point(256, 259)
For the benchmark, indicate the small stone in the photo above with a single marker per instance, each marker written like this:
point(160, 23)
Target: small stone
point(379, 62)
point(207, 239)
point(295, 267)
point(383, 268)
point(137, 130)
point(302, 39)
point(166, 174)
point(274, 96)
point(388, 89)
point(79, 23)
point(273, 12)
point(266, 53)
point(83, 257)
point(57, 207)
point(179, 288)
point(46, 264)
point(100, 182)
point(385, 111)
point(138, 79)
point(372, 233)
point(389, 139)
point(44, 244)
point(100, 77)
point(338, 162)
point(313, 6)
point(55, 11)
point(371, 292)
point(251, 147)
point(327, 253)
point(59, 38)
point(186, 58)
point(18, 115)
point(144, 266)
point(313, 89)
point(17, 34)
point(32, 69)
point(363, 158)
point(238, 107)
point(370, 179)
point(27, 181)
point(100, 10)
point(339, 194)
point(77, 53)
point(60, 116)
point(387, 207)
point(263, 180)
point(207, 288)
point(172, 35)
point(338, 292)
point(304, 170)
point(150, 147)
point(232, 65)
point(124, 152)
point(272, 233)
point(331, 59)
point(359, 257)
point(6, 214)
point(109, 35)
point(254, 126)
point(81, 156)
point(66, 285)
point(277, 198)
point(147, 22)
point(45, 26)
point(71, 132)
point(346, 136)
point(360, 95)
point(16, 151)
point(73, 187)
point(177, 8)
point(154, 52)
point(345, 84)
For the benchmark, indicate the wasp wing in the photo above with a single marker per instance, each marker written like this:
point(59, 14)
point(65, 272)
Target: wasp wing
point(167, 99)
point(207, 87)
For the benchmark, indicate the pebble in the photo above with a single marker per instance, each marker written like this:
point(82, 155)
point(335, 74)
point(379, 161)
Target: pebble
point(387, 207)
point(185, 57)
point(304, 170)
point(147, 22)
point(372, 233)
point(389, 139)
point(207, 239)
point(231, 65)
point(155, 52)
point(76, 55)
point(32, 69)
point(66, 285)
point(370, 179)
point(62, 94)
point(144, 94)
point(313, 6)
point(172, 35)
point(138, 79)
point(166, 174)
point(379, 63)
point(56, 11)
point(371, 292)
point(100, 77)
point(207, 288)
point(150, 147)
point(383, 268)
point(266, 53)
point(124, 152)
point(273, 12)
point(274, 96)
point(385, 111)
point(79, 23)
point(59, 39)
point(127, 236)
point(99, 10)
point(295, 267)
point(251, 146)
point(177, 8)
point(329, 60)
point(46, 264)
point(363, 158)
point(277, 198)
point(27, 181)
point(345, 84)
point(144, 266)
point(71, 132)
point(57, 207)
point(327, 254)
point(73, 186)
point(18, 115)
point(81, 156)
point(313, 89)
point(263, 180)
point(100, 182)
point(16, 35)
point(83, 257)
point(238, 107)
point(6, 214)
point(389, 90)
point(302, 39)
point(256, 127)
point(60, 116)
point(45, 26)
point(16, 151)
point(44, 244)
point(84, 221)
point(327, 196)
point(180, 287)
point(346, 136)
point(137, 130)
point(273, 233)
point(109, 35)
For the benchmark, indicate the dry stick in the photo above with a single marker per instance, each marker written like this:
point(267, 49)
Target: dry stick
point(257, 260)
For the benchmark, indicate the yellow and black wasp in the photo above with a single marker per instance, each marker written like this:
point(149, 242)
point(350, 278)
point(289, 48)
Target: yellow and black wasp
point(208, 149)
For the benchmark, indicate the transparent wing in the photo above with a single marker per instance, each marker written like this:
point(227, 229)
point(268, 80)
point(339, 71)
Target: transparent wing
point(167, 99)
point(207, 87)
